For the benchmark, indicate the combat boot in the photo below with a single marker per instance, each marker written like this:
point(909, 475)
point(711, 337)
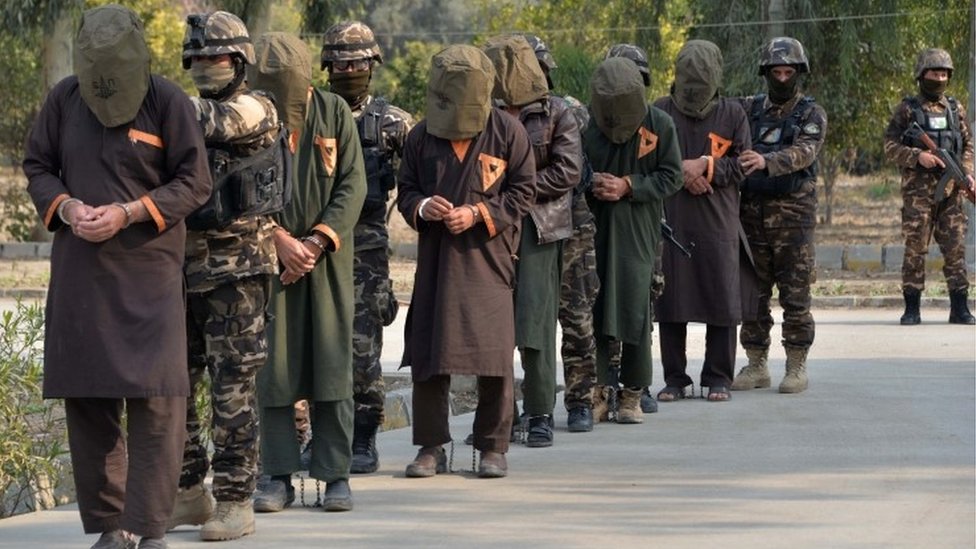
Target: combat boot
point(601, 406)
point(913, 300)
point(231, 520)
point(628, 408)
point(795, 380)
point(959, 309)
point(754, 375)
point(365, 458)
point(540, 431)
point(193, 506)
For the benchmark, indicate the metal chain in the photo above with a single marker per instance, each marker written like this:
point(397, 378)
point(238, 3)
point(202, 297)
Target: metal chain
point(318, 491)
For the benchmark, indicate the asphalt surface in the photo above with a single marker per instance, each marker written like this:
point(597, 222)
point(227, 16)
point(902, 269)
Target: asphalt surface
point(879, 452)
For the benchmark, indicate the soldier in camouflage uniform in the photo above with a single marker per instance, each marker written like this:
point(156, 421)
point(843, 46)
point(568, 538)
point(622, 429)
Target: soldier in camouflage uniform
point(579, 285)
point(924, 215)
point(349, 54)
point(228, 270)
point(648, 405)
point(778, 209)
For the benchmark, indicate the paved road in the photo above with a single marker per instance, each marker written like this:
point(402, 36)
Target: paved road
point(880, 452)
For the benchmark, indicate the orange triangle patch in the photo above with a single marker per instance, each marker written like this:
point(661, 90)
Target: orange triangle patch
point(720, 145)
point(647, 143)
point(330, 153)
point(492, 170)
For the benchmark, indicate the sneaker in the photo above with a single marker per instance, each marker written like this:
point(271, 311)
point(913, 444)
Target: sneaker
point(580, 420)
point(194, 506)
point(338, 496)
point(647, 403)
point(540, 432)
point(273, 495)
point(116, 539)
point(231, 520)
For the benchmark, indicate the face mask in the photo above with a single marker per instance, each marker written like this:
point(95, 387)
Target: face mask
point(781, 92)
point(210, 78)
point(111, 61)
point(932, 89)
point(351, 86)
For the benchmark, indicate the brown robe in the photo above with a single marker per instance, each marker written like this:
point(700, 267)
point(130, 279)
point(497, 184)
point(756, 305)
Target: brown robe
point(706, 287)
point(461, 317)
point(115, 315)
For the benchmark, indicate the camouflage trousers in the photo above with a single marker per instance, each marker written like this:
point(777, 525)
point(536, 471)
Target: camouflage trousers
point(376, 307)
point(948, 228)
point(226, 339)
point(579, 286)
point(784, 257)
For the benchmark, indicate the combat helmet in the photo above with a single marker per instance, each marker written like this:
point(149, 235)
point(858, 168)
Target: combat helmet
point(542, 53)
point(634, 53)
point(348, 41)
point(783, 50)
point(933, 58)
point(216, 33)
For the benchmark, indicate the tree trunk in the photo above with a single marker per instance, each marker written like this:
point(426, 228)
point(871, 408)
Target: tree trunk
point(56, 53)
point(258, 18)
point(775, 14)
point(830, 164)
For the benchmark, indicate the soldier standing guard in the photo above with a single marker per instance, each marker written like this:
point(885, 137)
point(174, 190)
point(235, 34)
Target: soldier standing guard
point(924, 215)
point(349, 54)
point(778, 210)
point(228, 265)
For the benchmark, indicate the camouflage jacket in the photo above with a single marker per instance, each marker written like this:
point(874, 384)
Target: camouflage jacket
point(906, 156)
point(799, 207)
point(370, 231)
point(242, 124)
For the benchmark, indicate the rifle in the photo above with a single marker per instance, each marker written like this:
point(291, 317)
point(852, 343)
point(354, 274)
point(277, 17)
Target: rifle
point(668, 233)
point(953, 171)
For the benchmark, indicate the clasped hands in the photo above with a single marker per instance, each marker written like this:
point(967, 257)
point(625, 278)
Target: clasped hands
point(608, 187)
point(457, 219)
point(694, 174)
point(297, 256)
point(95, 223)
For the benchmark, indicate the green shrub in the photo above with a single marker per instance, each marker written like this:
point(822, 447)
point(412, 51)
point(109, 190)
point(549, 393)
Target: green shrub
point(32, 430)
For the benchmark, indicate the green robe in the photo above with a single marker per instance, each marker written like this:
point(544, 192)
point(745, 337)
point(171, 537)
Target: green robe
point(628, 230)
point(310, 332)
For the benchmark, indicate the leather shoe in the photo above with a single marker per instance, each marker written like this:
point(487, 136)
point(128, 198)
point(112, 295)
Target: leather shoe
point(647, 403)
point(580, 420)
point(338, 496)
point(429, 462)
point(540, 432)
point(493, 465)
point(116, 539)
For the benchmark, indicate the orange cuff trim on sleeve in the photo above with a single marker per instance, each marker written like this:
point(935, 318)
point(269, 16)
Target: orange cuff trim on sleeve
point(293, 141)
point(53, 208)
point(330, 234)
point(489, 222)
point(153, 212)
point(148, 138)
point(710, 172)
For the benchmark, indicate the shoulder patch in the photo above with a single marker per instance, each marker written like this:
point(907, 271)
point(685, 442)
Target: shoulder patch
point(812, 129)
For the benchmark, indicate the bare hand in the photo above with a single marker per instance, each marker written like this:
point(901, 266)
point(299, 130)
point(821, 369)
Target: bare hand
point(289, 277)
point(436, 208)
point(752, 161)
point(699, 186)
point(693, 168)
point(294, 254)
point(929, 160)
point(102, 223)
point(608, 187)
point(459, 219)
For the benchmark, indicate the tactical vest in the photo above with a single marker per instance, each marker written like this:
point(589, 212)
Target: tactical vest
point(377, 157)
point(259, 184)
point(771, 135)
point(942, 127)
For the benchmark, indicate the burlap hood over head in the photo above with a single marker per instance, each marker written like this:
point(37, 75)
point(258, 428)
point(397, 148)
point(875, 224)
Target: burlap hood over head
point(459, 92)
point(111, 61)
point(519, 79)
point(697, 78)
point(617, 99)
point(283, 66)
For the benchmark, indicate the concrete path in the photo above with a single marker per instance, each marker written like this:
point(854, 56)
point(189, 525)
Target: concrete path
point(879, 452)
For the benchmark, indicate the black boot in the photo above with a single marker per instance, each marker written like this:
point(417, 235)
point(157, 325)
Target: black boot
point(365, 458)
point(959, 309)
point(913, 299)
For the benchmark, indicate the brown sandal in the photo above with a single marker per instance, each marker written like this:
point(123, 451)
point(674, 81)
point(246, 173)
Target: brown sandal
point(670, 394)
